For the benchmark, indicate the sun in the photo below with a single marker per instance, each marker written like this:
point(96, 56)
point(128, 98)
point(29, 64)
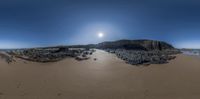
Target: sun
point(100, 35)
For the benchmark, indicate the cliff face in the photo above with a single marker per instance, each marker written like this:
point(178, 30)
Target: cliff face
point(146, 45)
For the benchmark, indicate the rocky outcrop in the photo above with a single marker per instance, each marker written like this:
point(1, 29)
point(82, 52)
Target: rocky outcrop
point(144, 57)
point(50, 54)
point(137, 52)
point(8, 58)
point(145, 45)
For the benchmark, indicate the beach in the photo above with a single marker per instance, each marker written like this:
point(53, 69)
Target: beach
point(108, 77)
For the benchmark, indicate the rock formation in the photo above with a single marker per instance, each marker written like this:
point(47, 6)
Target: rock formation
point(135, 45)
point(8, 58)
point(51, 54)
point(138, 52)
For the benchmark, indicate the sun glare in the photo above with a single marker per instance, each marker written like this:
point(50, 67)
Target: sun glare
point(100, 34)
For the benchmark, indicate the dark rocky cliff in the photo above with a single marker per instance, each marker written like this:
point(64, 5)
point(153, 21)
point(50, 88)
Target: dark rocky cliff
point(146, 45)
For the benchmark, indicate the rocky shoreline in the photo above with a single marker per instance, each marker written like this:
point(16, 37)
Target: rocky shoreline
point(135, 52)
point(51, 54)
point(138, 52)
point(135, 57)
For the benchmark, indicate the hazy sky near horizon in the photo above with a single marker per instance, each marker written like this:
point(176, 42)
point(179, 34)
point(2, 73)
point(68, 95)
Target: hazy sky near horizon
point(30, 23)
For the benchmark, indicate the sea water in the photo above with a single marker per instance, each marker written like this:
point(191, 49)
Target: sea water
point(193, 52)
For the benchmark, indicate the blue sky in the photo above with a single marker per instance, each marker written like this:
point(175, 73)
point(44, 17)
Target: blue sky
point(31, 23)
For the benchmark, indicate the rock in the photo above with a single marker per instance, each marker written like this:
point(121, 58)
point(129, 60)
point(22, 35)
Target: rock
point(8, 58)
point(50, 54)
point(95, 59)
point(143, 57)
point(80, 58)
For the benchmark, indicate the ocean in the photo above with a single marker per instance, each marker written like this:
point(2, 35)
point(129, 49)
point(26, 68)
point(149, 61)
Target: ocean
point(192, 52)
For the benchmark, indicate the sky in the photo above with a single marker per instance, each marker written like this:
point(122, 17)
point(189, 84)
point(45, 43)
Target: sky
point(35, 23)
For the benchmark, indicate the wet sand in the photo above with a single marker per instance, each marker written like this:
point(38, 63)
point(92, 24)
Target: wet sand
point(106, 78)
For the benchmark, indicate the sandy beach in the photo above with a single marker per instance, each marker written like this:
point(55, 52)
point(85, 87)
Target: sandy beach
point(106, 78)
